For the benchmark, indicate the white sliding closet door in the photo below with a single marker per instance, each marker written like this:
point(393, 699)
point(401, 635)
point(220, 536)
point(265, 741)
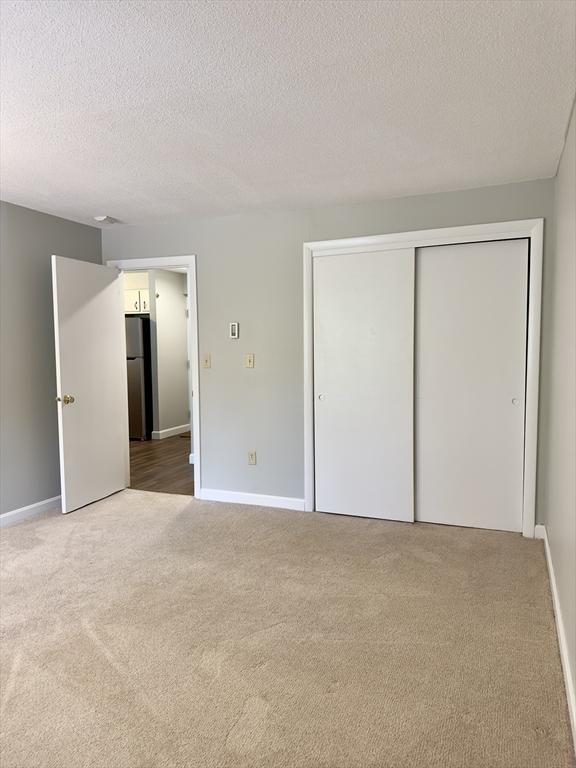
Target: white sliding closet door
point(471, 310)
point(363, 382)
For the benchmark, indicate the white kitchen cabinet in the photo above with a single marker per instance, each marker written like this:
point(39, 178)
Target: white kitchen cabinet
point(144, 300)
point(131, 301)
point(136, 293)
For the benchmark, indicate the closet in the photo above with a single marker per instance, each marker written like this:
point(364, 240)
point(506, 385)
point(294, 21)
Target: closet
point(419, 364)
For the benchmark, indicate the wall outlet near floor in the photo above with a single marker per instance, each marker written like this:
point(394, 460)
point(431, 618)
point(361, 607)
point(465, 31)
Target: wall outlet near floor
point(249, 360)
point(252, 458)
point(206, 361)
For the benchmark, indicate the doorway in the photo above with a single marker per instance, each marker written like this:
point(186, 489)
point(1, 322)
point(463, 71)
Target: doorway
point(91, 375)
point(160, 305)
point(159, 380)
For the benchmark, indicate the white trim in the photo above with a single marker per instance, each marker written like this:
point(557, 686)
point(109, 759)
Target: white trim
point(256, 499)
point(309, 476)
point(154, 262)
point(541, 533)
point(532, 379)
point(530, 228)
point(23, 513)
point(165, 262)
point(191, 459)
point(59, 383)
point(172, 432)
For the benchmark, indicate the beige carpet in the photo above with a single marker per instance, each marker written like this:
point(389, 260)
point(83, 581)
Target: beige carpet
point(153, 631)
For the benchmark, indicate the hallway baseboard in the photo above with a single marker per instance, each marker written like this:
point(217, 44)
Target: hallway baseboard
point(172, 432)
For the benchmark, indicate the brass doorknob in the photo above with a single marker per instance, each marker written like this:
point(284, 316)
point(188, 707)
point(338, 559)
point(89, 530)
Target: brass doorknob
point(68, 399)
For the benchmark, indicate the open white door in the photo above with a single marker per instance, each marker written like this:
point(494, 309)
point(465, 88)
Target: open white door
point(91, 381)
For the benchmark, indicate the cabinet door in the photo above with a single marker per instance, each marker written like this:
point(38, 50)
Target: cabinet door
point(144, 300)
point(131, 301)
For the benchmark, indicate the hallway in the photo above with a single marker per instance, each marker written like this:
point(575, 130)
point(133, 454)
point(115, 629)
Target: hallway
point(162, 465)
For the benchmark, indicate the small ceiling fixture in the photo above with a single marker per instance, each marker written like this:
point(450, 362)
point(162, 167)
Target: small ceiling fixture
point(105, 219)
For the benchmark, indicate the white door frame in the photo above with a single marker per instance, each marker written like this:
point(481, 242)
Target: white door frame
point(189, 262)
point(533, 229)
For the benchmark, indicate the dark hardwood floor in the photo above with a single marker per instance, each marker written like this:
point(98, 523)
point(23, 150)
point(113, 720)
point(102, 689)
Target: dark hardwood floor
point(162, 465)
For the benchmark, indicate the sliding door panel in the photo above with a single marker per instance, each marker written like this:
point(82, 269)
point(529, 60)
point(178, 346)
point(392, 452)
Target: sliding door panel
point(471, 309)
point(363, 381)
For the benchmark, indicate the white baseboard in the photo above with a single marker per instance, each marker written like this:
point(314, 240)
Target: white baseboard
point(541, 533)
point(17, 515)
point(256, 499)
point(172, 432)
point(191, 459)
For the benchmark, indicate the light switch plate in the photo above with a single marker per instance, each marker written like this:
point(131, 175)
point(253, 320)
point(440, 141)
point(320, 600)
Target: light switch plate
point(206, 361)
point(252, 458)
point(234, 330)
point(249, 360)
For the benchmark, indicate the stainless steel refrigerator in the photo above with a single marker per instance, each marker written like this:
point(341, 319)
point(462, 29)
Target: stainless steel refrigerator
point(138, 365)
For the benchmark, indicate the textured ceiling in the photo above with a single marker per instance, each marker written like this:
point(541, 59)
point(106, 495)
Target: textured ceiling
point(148, 109)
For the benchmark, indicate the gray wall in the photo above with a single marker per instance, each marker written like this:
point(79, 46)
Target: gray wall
point(170, 349)
point(29, 432)
point(558, 466)
point(250, 270)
